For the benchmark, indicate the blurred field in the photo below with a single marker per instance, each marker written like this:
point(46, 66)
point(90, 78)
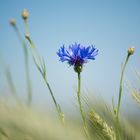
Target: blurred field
point(23, 123)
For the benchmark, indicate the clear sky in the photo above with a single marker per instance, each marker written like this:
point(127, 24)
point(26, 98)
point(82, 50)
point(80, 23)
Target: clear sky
point(111, 25)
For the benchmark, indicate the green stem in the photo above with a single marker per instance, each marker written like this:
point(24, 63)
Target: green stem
point(26, 59)
point(50, 90)
point(60, 114)
point(42, 69)
point(80, 105)
point(26, 27)
point(29, 87)
point(119, 100)
point(79, 99)
point(58, 109)
point(27, 67)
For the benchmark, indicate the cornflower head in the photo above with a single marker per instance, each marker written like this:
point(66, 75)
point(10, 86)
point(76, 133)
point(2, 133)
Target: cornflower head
point(76, 55)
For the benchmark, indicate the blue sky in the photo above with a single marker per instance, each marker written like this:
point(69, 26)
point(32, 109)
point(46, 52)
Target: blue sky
point(111, 25)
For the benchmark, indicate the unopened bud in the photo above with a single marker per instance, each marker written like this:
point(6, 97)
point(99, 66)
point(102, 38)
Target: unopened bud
point(27, 36)
point(25, 14)
point(131, 50)
point(12, 22)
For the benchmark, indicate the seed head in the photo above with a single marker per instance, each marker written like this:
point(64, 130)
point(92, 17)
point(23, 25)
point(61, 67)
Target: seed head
point(131, 50)
point(25, 14)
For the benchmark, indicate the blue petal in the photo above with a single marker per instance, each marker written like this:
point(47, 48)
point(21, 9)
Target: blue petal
point(77, 54)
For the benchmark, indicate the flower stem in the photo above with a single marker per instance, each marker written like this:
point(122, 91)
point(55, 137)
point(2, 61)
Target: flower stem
point(26, 27)
point(42, 69)
point(58, 109)
point(80, 105)
point(26, 59)
point(119, 100)
point(27, 67)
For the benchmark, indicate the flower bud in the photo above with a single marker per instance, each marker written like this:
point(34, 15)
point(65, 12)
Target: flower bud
point(131, 50)
point(12, 22)
point(27, 36)
point(25, 14)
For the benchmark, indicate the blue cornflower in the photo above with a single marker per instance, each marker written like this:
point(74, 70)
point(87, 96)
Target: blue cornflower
point(76, 55)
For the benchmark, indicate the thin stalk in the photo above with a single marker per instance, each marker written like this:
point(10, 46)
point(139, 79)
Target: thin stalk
point(60, 114)
point(119, 100)
point(42, 69)
point(29, 85)
point(50, 90)
point(26, 27)
point(80, 106)
point(27, 67)
point(26, 59)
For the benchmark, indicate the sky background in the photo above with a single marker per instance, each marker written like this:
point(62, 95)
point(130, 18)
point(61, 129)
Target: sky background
point(111, 25)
